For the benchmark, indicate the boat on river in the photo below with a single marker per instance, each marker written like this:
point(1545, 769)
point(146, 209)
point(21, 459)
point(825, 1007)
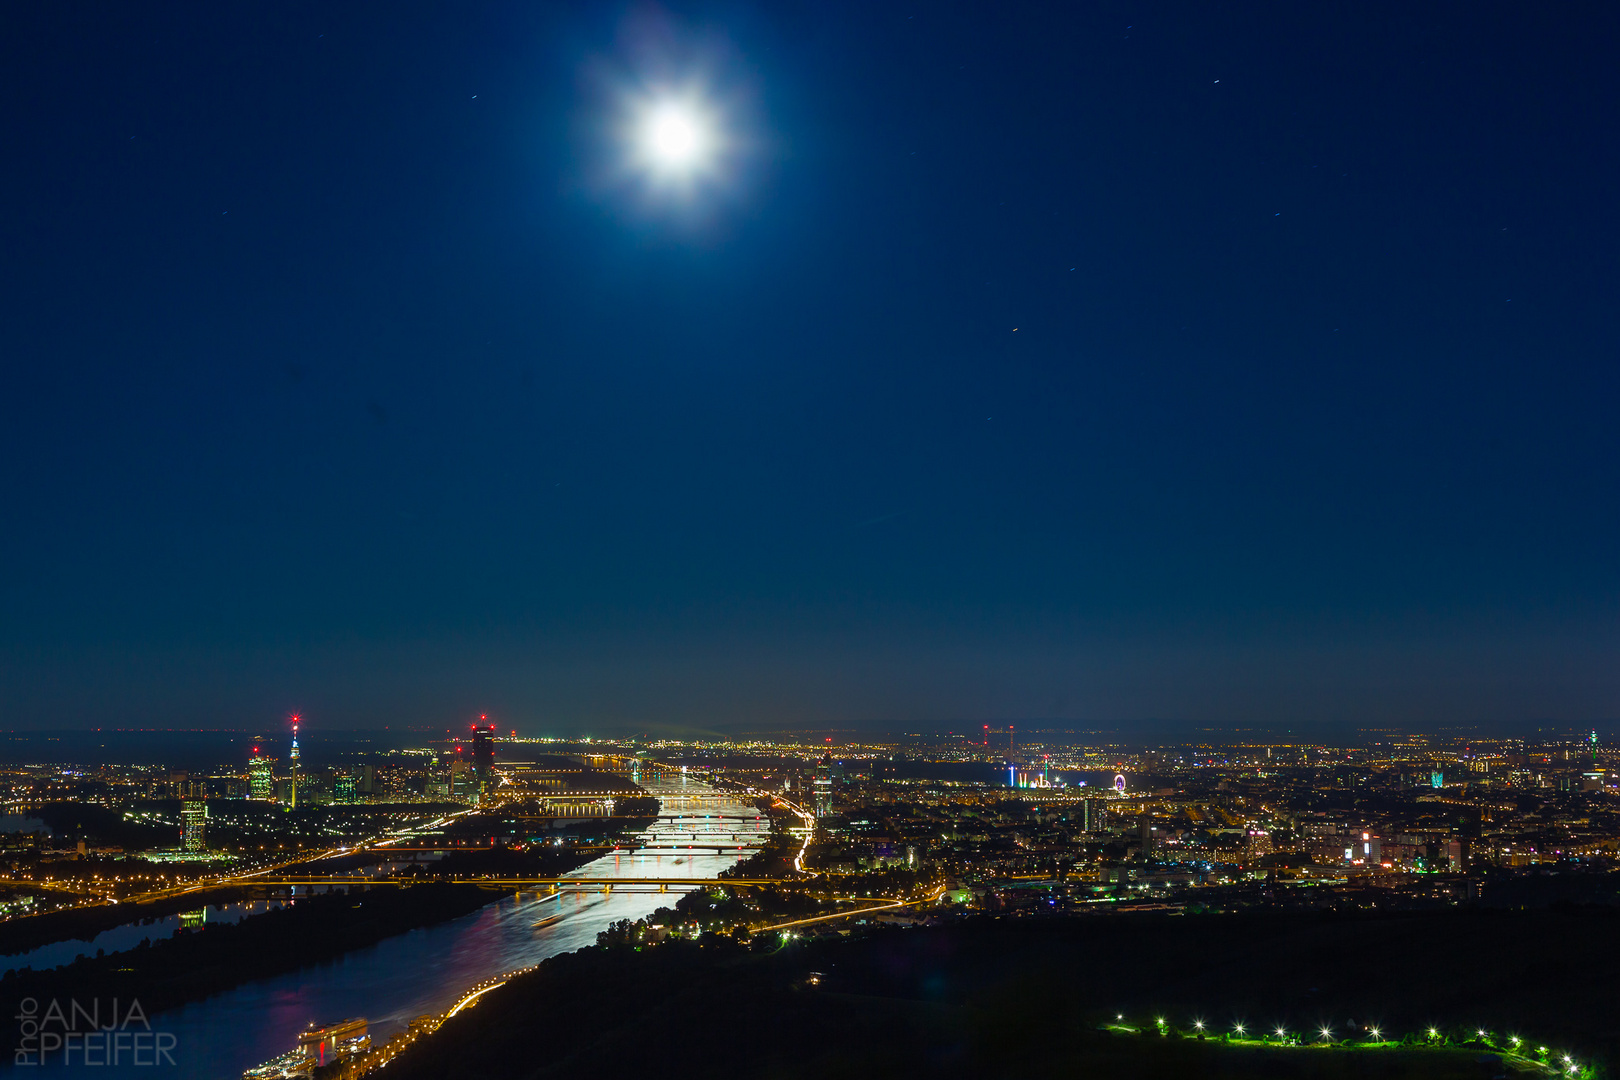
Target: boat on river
point(555, 916)
point(317, 1046)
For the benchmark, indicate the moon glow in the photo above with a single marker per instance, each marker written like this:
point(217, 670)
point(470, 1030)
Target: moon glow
point(674, 138)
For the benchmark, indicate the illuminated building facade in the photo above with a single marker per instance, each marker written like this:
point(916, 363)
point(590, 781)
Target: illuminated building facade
point(823, 786)
point(483, 755)
point(463, 781)
point(261, 776)
point(1093, 816)
point(194, 825)
point(1365, 850)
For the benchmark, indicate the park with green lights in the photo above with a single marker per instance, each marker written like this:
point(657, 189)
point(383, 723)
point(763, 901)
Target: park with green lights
point(1470, 1045)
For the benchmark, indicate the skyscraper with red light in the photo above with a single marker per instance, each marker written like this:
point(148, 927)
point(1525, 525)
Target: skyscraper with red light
point(483, 755)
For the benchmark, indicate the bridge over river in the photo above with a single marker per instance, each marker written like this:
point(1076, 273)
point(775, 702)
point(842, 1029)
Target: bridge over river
point(429, 971)
point(531, 884)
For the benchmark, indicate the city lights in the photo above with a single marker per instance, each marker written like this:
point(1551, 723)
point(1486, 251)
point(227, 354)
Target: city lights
point(847, 832)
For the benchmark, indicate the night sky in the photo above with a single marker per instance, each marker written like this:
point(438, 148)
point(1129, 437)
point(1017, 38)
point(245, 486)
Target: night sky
point(1086, 363)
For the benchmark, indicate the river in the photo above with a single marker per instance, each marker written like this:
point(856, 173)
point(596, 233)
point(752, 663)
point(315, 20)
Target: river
point(427, 970)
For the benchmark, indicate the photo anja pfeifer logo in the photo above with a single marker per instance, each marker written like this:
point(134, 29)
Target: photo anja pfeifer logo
point(104, 1033)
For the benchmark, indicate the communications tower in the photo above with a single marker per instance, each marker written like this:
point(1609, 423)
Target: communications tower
point(292, 766)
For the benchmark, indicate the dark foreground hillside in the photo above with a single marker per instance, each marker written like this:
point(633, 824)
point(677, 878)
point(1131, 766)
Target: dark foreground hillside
point(1019, 998)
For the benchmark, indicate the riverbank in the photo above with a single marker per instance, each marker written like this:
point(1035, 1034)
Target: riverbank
point(19, 936)
point(190, 966)
point(427, 970)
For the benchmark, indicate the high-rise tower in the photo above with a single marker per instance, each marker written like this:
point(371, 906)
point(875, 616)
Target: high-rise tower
point(261, 782)
point(292, 766)
point(483, 754)
point(823, 787)
point(1093, 815)
point(194, 822)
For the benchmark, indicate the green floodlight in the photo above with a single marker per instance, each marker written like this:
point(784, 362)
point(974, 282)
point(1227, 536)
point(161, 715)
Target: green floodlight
point(1327, 1033)
point(1199, 1024)
point(1375, 1033)
point(1238, 1028)
point(1433, 1034)
point(1280, 1033)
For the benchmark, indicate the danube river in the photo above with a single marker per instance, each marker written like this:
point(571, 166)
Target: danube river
point(426, 970)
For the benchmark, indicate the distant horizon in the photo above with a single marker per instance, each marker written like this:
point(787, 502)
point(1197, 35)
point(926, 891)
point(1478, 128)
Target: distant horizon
point(996, 729)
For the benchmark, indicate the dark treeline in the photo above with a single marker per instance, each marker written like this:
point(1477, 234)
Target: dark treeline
point(191, 966)
point(1003, 997)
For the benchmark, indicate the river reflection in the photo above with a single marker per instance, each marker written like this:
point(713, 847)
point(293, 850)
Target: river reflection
point(426, 970)
point(120, 938)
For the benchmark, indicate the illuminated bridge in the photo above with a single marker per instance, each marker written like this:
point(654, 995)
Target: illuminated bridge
point(551, 884)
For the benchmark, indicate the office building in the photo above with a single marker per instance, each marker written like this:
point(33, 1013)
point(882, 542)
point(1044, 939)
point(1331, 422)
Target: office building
point(483, 753)
point(1093, 816)
point(463, 781)
point(261, 776)
point(194, 824)
point(823, 787)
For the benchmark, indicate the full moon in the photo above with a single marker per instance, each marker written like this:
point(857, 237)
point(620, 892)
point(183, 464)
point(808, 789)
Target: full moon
point(673, 138)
